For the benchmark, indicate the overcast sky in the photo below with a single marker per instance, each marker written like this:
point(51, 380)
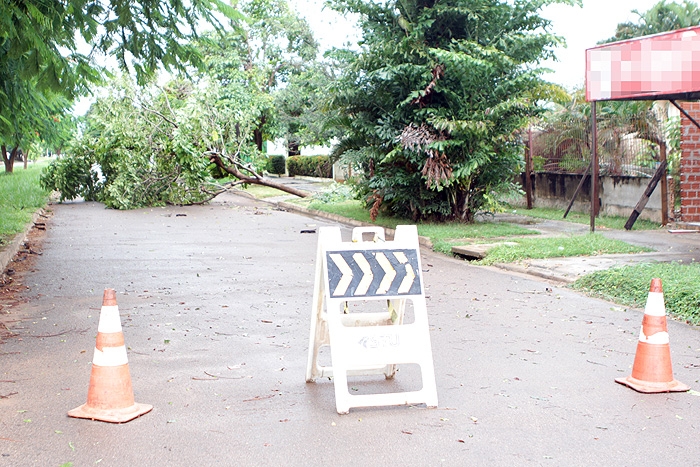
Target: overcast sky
point(581, 27)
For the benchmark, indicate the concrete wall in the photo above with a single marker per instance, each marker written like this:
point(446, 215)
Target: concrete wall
point(618, 195)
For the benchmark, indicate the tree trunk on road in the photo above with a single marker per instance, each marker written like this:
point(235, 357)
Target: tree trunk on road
point(255, 178)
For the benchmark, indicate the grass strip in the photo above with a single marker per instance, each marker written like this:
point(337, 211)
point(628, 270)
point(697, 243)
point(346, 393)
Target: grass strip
point(602, 222)
point(442, 235)
point(590, 244)
point(629, 286)
point(20, 197)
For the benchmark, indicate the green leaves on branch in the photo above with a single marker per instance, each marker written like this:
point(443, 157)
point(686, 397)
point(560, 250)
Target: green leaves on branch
point(138, 144)
point(72, 176)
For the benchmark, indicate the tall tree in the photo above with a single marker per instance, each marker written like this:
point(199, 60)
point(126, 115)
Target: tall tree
point(260, 51)
point(434, 98)
point(31, 114)
point(302, 109)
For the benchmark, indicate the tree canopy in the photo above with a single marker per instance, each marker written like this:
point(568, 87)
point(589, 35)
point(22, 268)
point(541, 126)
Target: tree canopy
point(661, 17)
point(48, 51)
point(257, 53)
point(434, 99)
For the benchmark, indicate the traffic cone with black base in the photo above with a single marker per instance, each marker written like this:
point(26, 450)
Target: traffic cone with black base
point(652, 371)
point(110, 395)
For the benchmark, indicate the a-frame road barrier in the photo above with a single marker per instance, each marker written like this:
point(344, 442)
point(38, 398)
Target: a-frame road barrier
point(369, 342)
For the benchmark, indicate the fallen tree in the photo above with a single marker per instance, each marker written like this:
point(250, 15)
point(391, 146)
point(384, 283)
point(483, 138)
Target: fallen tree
point(170, 145)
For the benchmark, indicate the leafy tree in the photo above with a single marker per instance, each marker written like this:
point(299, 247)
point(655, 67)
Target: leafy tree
point(302, 109)
point(433, 101)
point(41, 57)
point(661, 17)
point(260, 50)
point(158, 146)
point(31, 116)
point(45, 38)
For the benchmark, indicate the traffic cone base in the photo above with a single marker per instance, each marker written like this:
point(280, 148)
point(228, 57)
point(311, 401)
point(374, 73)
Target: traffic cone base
point(110, 415)
point(649, 387)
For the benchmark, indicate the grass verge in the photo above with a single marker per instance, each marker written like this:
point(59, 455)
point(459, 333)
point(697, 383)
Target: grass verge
point(603, 222)
point(629, 286)
point(445, 235)
point(591, 244)
point(20, 197)
point(442, 235)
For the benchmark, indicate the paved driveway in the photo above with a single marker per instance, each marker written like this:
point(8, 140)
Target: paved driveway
point(215, 305)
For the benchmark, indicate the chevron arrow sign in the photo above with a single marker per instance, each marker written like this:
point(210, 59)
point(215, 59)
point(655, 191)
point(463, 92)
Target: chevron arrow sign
point(372, 273)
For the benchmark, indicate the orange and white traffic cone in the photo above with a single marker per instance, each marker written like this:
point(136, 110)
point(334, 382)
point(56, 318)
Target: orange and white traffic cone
point(652, 371)
point(110, 395)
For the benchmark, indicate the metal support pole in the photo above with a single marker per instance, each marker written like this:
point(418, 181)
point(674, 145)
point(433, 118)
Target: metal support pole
point(664, 184)
point(594, 164)
point(528, 168)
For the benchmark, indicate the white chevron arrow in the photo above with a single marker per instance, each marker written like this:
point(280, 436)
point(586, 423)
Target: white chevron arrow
point(346, 272)
point(407, 281)
point(389, 273)
point(367, 277)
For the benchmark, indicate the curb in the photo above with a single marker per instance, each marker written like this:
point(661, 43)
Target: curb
point(9, 251)
point(535, 271)
point(423, 241)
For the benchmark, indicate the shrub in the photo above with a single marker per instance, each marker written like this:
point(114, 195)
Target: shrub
point(276, 165)
point(312, 166)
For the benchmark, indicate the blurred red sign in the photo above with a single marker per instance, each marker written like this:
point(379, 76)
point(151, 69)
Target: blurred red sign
point(661, 66)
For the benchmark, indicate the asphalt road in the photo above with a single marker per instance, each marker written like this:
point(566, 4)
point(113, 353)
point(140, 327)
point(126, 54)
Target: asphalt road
point(215, 305)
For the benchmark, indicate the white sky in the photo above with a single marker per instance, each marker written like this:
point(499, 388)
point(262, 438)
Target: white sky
point(581, 27)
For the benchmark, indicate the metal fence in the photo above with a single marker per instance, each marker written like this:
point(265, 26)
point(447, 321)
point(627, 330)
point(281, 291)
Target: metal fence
point(570, 152)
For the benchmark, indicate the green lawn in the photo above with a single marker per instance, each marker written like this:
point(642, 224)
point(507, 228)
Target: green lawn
point(590, 244)
point(20, 197)
point(629, 286)
point(445, 235)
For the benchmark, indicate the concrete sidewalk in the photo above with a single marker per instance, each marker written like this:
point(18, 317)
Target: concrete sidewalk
point(215, 304)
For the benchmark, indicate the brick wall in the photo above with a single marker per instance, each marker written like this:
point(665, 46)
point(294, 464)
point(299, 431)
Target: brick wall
point(690, 164)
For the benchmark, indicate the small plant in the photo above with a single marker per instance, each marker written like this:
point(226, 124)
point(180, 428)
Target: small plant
point(538, 163)
point(276, 165)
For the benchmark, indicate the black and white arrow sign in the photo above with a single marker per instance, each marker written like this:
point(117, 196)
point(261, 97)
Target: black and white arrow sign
point(371, 273)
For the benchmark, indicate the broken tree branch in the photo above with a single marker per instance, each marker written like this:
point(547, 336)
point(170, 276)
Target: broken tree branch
point(236, 168)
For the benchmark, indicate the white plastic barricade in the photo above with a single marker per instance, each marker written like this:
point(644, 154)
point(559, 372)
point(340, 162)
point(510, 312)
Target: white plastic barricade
point(366, 343)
